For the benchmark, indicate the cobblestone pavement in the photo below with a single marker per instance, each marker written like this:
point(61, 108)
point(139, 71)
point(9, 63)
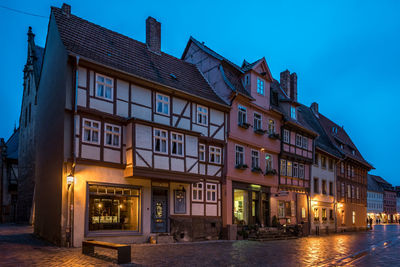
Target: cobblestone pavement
point(380, 247)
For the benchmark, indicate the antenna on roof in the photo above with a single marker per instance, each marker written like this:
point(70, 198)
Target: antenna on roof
point(173, 76)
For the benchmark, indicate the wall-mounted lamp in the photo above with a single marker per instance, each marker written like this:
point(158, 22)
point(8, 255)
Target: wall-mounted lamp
point(70, 180)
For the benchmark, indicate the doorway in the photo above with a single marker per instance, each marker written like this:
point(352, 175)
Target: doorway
point(159, 210)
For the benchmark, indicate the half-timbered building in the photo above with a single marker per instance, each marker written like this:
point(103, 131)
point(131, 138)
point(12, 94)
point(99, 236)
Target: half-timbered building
point(136, 138)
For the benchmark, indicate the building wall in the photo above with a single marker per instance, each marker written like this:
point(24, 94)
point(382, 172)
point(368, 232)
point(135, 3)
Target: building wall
point(50, 132)
point(374, 202)
point(348, 209)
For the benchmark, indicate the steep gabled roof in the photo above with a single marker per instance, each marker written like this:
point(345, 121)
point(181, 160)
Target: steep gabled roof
point(114, 50)
point(39, 52)
point(373, 185)
point(339, 136)
point(12, 145)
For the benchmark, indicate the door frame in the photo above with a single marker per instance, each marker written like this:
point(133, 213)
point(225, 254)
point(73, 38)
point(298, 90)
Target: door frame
point(151, 209)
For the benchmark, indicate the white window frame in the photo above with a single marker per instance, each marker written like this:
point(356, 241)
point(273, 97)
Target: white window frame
point(348, 191)
point(217, 152)
point(199, 188)
point(301, 171)
point(105, 85)
point(289, 170)
point(283, 167)
point(255, 158)
point(211, 191)
point(113, 132)
point(286, 136)
point(239, 153)
point(91, 130)
point(242, 114)
point(177, 141)
point(269, 162)
point(299, 140)
point(202, 151)
point(295, 170)
point(271, 126)
point(257, 121)
point(202, 115)
point(293, 114)
point(161, 138)
point(305, 142)
point(164, 102)
point(260, 86)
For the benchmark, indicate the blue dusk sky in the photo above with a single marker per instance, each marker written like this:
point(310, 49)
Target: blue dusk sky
point(346, 53)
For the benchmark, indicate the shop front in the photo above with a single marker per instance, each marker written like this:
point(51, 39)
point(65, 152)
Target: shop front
point(251, 204)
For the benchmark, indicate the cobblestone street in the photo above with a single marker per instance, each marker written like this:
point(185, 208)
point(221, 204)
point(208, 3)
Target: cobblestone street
point(380, 247)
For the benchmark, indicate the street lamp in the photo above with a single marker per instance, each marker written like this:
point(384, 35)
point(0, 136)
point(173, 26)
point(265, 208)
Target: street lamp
point(70, 180)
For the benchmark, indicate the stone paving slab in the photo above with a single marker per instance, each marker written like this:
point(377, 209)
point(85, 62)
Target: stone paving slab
point(380, 247)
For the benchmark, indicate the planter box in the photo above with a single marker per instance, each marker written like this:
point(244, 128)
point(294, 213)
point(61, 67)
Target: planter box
point(256, 170)
point(273, 136)
point(241, 166)
point(244, 125)
point(259, 131)
point(271, 172)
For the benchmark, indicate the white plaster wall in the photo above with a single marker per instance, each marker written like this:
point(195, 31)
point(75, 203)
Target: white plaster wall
point(216, 116)
point(202, 169)
point(211, 210)
point(91, 85)
point(122, 90)
point(84, 174)
point(184, 124)
point(161, 162)
point(146, 155)
point(82, 77)
point(174, 186)
point(101, 105)
point(122, 109)
point(81, 97)
point(90, 152)
point(191, 146)
point(143, 136)
point(212, 169)
point(189, 163)
point(177, 165)
point(112, 155)
point(201, 129)
point(179, 104)
point(161, 119)
point(140, 112)
point(197, 208)
point(141, 95)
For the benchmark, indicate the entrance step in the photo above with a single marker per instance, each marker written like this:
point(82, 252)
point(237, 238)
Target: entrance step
point(165, 239)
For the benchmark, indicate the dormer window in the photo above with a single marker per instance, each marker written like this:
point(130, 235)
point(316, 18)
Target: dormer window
point(202, 115)
point(341, 146)
point(260, 86)
point(353, 152)
point(247, 79)
point(293, 112)
point(334, 130)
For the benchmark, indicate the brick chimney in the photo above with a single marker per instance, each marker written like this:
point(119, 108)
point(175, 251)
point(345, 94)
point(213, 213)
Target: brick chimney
point(314, 107)
point(153, 35)
point(293, 86)
point(66, 9)
point(285, 81)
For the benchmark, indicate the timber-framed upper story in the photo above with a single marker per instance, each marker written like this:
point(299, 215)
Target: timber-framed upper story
point(137, 108)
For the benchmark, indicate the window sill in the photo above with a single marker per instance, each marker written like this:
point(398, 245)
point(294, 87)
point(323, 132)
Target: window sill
point(273, 136)
point(241, 166)
point(256, 170)
point(259, 131)
point(244, 125)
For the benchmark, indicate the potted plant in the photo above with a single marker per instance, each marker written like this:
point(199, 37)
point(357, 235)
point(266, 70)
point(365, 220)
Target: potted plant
point(259, 131)
point(256, 169)
point(244, 125)
point(273, 135)
point(241, 166)
point(270, 172)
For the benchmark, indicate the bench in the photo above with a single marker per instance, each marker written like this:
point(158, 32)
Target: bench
point(123, 251)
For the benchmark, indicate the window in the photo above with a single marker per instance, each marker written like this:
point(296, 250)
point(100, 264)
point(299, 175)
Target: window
point(257, 121)
point(293, 112)
point(358, 192)
point(299, 140)
point(305, 142)
point(260, 86)
point(112, 135)
point(348, 171)
point(104, 87)
point(255, 159)
point(160, 141)
point(324, 215)
point(354, 217)
point(330, 188)
point(323, 162)
point(301, 171)
point(215, 154)
point(91, 131)
point(246, 79)
point(177, 144)
point(289, 168)
point(271, 126)
point(324, 187)
point(281, 209)
point(303, 213)
point(239, 156)
point(286, 136)
point(211, 190)
point(348, 191)
point(202, 115)
point(330, 164)
point(283, 167)
point(114, 208)
point(342, 187)
point(295, 169)
point(316, 161)
point(197, 192)
point(352, 171)
point(316, 186)
point(268, 162)
point(242, 115)
point(341, 167)
point(330, 214)
point(316, 214)
point(352, 192)
point(162, 104)
point(353, 152)
point(202, 152)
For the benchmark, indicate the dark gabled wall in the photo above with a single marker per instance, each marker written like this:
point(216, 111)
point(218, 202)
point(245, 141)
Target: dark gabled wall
point(50, 137)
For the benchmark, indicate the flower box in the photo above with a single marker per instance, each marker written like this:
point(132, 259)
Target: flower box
point(273, 136)
point(271, 172)
point(256, 169)
point(259, 131)
point(241, 166)
point(244, 125)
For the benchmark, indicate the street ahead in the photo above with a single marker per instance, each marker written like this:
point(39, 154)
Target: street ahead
point(380, 247)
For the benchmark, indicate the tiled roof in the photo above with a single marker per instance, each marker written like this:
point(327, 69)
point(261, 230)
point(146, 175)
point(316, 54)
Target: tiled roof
point(373, 185)
point(322, 141)
point(12, 145)
point(344, 138)
point(249, 66)
point(120, 52)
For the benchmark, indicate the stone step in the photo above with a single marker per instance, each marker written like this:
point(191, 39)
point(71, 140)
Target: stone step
point(165, 239)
